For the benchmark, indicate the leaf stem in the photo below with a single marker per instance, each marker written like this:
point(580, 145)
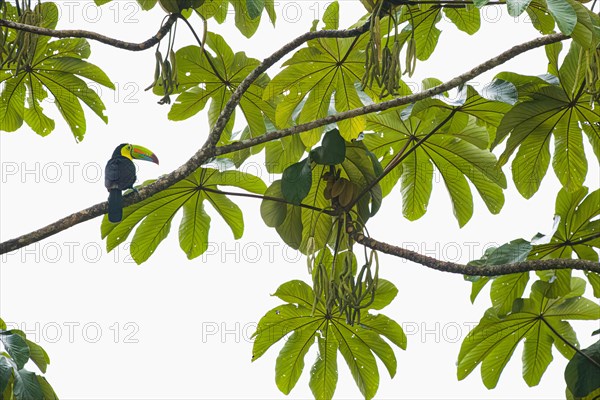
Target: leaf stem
point(401, 156)
point(261, 197)
point(571, 345)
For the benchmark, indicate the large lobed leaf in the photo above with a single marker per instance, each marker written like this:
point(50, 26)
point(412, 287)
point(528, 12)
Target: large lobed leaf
point(458, 151)
point(204, 77)
point(563, 112)
point(56, 70)
point(359, 344)
point(155, 214)
point(538, 320)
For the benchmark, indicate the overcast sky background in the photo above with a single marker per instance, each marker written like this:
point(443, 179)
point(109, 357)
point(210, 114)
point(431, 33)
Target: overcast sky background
point(173, 328)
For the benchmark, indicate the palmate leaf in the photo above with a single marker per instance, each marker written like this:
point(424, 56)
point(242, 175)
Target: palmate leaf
point(157, 212)
point(201, 83)
point(539, 321)
point(559, 111)
point(577, 233)
point(453, 152)
point(359, 344)
point(16, 381)
point(56, 69)
point(319, 80)
point(507, 288)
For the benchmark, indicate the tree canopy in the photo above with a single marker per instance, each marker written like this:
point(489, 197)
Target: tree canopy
point(333, 116)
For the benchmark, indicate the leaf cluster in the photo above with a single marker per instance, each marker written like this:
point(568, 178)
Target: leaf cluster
point(16, 382)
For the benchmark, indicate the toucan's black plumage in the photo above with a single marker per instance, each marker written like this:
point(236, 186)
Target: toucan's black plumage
point(119, 175)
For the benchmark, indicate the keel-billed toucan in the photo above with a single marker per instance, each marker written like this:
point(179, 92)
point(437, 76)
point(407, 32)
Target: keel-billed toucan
point(120, 175)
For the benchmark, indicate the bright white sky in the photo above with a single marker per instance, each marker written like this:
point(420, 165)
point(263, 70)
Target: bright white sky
point(173, 328)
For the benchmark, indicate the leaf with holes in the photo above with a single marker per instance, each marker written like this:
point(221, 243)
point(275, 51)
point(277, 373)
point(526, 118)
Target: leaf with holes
point(319, 80)
point(204, 77)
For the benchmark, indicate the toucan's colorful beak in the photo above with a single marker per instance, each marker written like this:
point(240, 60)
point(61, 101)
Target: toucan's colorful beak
point(142, 153)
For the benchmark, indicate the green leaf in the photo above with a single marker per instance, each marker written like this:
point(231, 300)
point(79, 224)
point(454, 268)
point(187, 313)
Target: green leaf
point(324, 372)
point(316, 78)
point(245, 23)
point(38, 355)
point(290, 362)
point(506, 289)
point(550, 111)
point(583, 376)
point(563, 14)
point(26, 386)
point(16, 346)
point(282, 153)
point(296, 181)
point(385, 294)
point(332, 151)
point(450, 152)
point(157, 212)
point(296, 292)
point(56, 69)
point(6, 373)
point(577, 230)
point(193, 231)
point(359, 359)
point(466, 19)
point(255, 8)
point(204, 77)
point(537, 320)
point(358, 344)
point(517, 7)
point(385, 327)
point(272, 212)
point(47, 391)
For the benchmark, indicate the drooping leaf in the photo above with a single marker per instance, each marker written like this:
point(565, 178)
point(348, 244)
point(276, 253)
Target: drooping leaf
point(56, 69)
point(332, 151)
point(26, 386)
point(296, 181)
point(582, 374)
point(16, 346)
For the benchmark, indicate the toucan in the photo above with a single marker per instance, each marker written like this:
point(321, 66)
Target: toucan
point(119, 175)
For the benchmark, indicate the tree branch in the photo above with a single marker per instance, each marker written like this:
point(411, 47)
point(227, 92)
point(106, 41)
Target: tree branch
point(400, 101)
point(472, 270)
point(77, 33)
point(209, 150)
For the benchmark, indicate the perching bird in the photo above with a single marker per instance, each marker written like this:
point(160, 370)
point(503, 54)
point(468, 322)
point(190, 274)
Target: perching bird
point(120, 175)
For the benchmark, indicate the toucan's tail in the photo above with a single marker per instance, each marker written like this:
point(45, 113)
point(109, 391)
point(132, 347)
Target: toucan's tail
point(115, 205)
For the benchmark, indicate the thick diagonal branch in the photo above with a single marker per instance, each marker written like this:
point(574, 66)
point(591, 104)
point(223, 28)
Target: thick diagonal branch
point(208, 150)
point(472, 270)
